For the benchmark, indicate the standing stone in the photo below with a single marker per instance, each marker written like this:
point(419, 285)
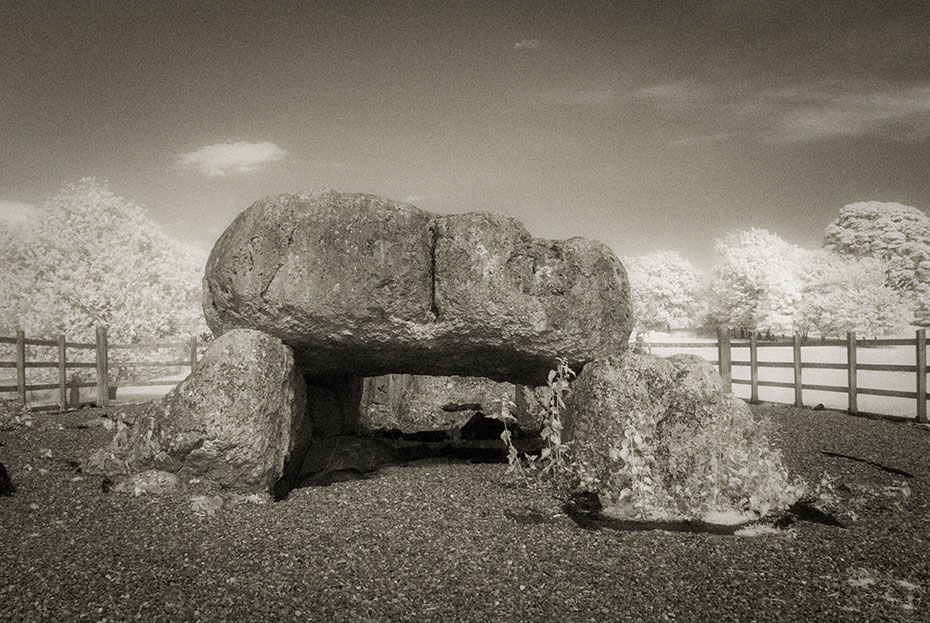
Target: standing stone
point(233, 421)
point(661, 434)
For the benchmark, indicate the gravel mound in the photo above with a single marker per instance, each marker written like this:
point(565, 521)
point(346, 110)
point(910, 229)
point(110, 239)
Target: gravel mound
point(448, 540)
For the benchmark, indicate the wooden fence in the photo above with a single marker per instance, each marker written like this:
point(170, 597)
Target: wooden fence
point(851, 344)
point(101, 366)
point(724, 345)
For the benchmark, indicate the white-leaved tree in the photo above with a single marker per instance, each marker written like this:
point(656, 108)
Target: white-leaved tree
point(756, 284)
point(896, 234)
point(93, 258)
point(762, 283)
point(665, 290)
point(842, 293)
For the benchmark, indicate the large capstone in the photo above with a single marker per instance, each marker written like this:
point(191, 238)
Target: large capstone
point(234, 421)
point(361, 286)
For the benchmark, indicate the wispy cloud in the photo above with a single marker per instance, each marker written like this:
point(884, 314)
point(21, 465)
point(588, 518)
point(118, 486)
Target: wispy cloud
point(613, 91)
point(412, 198)
point(527, 44)
point(702, 139)
point(596, 96)
point(797, 113)
point(16, 212)
point(810, 114)
point(674, 93)
point(222, 158)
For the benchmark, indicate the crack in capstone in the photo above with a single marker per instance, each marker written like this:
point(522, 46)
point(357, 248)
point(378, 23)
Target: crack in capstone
point(433, 306)
point(281, 256)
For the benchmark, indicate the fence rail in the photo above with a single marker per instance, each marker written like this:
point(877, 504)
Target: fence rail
point(723, 345)
point(725, 363)
point(101, 349)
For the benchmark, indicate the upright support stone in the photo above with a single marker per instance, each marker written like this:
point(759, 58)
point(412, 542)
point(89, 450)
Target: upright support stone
point(678, 414)
point(233, 422)
point(753, 368)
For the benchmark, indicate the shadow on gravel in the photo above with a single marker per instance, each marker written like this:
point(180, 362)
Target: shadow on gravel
point(803, 511)
point(325, 479)
point(407, 448)
point(589, 520)
point(885, 468)
point(585, 511)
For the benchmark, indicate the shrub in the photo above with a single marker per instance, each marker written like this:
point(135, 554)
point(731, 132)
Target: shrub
point(552, 462)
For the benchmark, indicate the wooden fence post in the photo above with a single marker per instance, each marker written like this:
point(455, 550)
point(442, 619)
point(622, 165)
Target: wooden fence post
point(193, 355)
point(21, 365)
point(723, 358)
point(62, 375)
point(921, 375)
point(753, 368)
point(796, 343)
point(103, 391)
point(851, 384)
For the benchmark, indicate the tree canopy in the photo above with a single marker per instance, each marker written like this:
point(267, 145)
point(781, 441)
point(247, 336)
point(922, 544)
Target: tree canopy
point(763, 283)
point(842, 293)
point(756, 282)
point(665, 290)
point(896, 234)
point(95, 258)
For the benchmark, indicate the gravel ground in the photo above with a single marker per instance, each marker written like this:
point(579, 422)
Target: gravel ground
point(439, 540)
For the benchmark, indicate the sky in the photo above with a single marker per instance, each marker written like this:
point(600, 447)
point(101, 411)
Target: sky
point(646, 125)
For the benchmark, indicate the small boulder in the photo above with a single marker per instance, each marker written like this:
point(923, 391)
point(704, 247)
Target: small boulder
point(233, 421)
point(206, 504)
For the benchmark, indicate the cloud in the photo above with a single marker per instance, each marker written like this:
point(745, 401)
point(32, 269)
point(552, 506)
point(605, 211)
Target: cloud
point(674, 93)
point(800, 115)
point(412, 198)
point(613, 92)
point(527, 44)
point(16, 212)
point(802, 112)
point(593, 97)
point(222, 158)
point(702, 139)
